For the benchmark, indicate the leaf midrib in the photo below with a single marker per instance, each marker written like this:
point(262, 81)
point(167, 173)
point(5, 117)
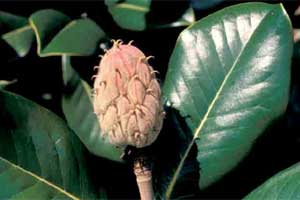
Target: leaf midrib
point(131, 7)
point(210, 107)
point(16, 31)
point(39, 47)
point(40, 179)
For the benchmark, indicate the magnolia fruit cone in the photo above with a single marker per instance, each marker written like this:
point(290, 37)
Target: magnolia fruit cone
point(127, 97)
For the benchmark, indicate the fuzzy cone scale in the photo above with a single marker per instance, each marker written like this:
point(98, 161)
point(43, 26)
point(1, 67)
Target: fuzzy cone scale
point(127, 97)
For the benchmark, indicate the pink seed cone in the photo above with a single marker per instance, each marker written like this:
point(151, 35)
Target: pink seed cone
point(127, 97)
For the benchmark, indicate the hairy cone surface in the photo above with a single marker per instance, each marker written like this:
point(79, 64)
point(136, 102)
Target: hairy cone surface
point(127, 97)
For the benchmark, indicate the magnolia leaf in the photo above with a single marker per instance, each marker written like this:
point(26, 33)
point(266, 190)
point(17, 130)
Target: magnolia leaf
point(78, 38)
point(284, 185)
point(186, 19)
point(228, 78)
point(40, 157)
point(204, 4)
point(20, 40)
point(46, 24)
point(129, 14)
point(18, 183)
point(12, 21)
point(57, 35)
point(20, 36)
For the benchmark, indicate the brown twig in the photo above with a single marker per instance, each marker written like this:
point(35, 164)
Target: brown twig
point(142, 169)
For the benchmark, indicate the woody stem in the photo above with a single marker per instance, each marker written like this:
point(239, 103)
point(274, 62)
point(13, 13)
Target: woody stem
point(142, 170)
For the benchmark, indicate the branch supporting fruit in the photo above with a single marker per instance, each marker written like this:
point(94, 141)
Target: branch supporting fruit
point(143, 171)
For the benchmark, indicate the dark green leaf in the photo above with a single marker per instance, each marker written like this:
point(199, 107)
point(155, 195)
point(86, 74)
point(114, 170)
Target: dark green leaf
point(229, 77)
point(40, 156)
point(186, 19)
point(57, 35)
point(129, 14)
point(12, 21)
point(297, 50)
point(284, 185)
point(20, 37)
point(79, 37)
point(20, 40)
point(46, 24)
point(204, 4)
point(77, 99)
point(18, 183)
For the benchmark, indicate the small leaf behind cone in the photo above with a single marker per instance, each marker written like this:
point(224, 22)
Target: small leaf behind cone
point(77, 99)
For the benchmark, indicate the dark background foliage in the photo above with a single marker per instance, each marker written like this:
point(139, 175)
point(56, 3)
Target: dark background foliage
point(39, 79)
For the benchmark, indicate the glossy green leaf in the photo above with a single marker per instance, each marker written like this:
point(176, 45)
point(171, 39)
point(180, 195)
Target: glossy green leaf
point(12, 21)
point(46, 24)
point(18, 183)
point(40, 157)
point(57, 35)
point(21, 36)
point(79, 37)
point(284, 185)
point(186, 19)
point(229, 77)
point(130, 14)
point(77, 99)
point(20, 39)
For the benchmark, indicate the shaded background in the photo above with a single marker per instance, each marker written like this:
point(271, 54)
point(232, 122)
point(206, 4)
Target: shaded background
point(39, 79)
